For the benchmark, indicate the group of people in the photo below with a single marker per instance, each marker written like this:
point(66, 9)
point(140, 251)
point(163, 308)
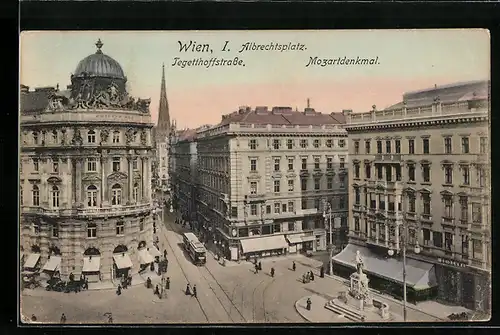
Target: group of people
point(82, 284)
point(159, 289)
point(192, 292)
point(308, 276)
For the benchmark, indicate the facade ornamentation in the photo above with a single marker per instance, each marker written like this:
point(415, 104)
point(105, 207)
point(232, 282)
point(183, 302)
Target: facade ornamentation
point(144, 139)
point(77, 137)
point(104, 135)
point(129, 135)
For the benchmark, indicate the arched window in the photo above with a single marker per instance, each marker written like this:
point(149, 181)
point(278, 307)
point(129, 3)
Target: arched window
point(91, 136)
point(55, 197)
point(116, 136)
point(36, 196)
point(135, 192)
point(21, 196)
point(116, 192)
point(54, 136)
point(91, 196)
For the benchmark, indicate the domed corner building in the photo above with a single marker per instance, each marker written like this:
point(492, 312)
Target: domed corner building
point(85, 176)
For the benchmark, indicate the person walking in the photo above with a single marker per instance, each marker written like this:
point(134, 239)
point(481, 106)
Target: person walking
point(164, 253)
point(167, 283)
point(308, 304)
point(157, 291)
point(188, 289)
point(294, 266)
point(256, 268)
point(260, 266)
point(272, 272)
point(119, 290)
point(312, 276)
point(63, 318)
point(194, 291)
point(322, 272)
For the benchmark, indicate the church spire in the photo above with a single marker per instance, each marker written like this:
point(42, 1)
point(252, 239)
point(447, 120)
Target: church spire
point(163, 127)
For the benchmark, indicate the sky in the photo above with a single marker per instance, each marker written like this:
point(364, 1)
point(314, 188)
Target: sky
point(407, 60)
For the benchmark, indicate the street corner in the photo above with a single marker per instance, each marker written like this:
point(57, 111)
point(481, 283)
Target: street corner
point(317, 313)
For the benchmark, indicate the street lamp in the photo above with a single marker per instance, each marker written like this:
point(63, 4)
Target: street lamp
point(391, 252)
point(329, 216)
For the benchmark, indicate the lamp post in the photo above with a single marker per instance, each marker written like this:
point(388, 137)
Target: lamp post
point(327, 214)
point(404, 240)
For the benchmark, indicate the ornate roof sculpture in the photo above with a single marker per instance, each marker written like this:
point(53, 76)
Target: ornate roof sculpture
point(98, 83)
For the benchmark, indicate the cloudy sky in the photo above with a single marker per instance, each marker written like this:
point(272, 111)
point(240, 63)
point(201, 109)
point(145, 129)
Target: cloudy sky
point(407, 60)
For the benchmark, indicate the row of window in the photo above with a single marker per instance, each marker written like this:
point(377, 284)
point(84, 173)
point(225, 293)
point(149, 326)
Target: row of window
point(91, 165)
point(377, 201)
point(91, 229)
point(426, 173)
point(447, 144)
point(277, 144)
point(431, 238)
point(91, 191)
point(303, 184)
point(91, 137)
point(289, 207)
point(303, 166)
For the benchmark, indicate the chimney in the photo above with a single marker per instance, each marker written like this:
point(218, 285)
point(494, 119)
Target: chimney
point(308, 103)
point(346, 111)
point(309, 111)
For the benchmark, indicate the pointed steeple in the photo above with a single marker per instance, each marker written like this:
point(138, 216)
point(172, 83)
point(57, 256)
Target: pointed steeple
point(163, 127)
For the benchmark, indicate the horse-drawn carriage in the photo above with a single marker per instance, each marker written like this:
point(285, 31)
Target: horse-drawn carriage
point(30, 279)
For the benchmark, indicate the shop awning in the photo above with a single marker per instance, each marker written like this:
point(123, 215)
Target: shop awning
point(32, 261)
point(91, 264)
point(308, 238)
point(419, 275)
point(264, 243)
point(292, 239)
point(122, 261)
point(154, 252)
point(144, 256)
point(52, 263)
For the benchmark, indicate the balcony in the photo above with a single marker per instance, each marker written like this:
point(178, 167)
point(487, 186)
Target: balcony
point(426, 218)
point(304, 173)
point(448, 222)
point(388, 158)
point(89, 212)
point(251, 198)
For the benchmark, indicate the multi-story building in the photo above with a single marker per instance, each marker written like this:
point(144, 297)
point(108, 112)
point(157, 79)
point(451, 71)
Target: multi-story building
point(162, 136)
point(264, 177)
point(420, 171)
point(85, 181)
point(183, 151)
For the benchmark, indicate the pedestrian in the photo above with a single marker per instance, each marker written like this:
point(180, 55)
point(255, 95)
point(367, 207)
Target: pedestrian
point(293, 266)
point(260, 266)
point(188, 289)
point(272, 272)
point(86, 283)
point(167, 285)
point(119, 290)
point(194, 291)
point(165, 253)
point(256, 268)
point(322, 272)
point(312, 276)
point(304, 278)
point(157, 291)
point(71, 277)
point(152, 267)
point(63, 318)
point(308, 304)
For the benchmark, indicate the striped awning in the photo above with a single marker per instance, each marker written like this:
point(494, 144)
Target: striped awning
point(52, 263)
point(91, 264)
point(122, 261)
point(293, 239)
point(32, 261)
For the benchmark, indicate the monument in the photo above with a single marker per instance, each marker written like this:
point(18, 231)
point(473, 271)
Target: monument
point(358, 304)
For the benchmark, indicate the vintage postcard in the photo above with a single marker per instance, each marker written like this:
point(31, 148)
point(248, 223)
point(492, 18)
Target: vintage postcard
point(254, 176)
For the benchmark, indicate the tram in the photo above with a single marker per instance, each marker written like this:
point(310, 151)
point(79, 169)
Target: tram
point(195, 249)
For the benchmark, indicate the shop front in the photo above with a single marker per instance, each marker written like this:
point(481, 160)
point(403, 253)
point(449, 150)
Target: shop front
point(386, 273)
point(121, 262)
point(52, 265)
point(92, 265)
point(263, 246)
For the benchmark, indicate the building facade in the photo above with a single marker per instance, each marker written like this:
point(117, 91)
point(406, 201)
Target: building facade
point(85, 175)
point(265, 176)
point(420, 174)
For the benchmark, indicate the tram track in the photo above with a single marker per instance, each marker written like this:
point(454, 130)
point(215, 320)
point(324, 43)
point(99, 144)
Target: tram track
point(182, 270)
point(228, 312)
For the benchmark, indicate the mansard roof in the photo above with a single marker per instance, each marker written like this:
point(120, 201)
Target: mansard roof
point(462, 91)
point(281, 116)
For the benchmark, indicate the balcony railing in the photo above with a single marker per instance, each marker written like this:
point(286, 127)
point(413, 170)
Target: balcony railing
point(393, 158)
point(90, 211)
